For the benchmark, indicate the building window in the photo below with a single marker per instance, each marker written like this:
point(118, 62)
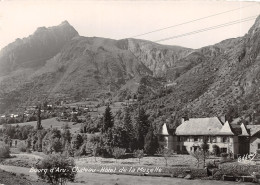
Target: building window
point(208, 139)
point(213, 139)
point(225, 139)
point(223, 150)
point(195, 138)
point(258, 145)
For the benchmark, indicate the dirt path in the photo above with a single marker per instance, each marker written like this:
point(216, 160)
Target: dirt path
point(112, 179)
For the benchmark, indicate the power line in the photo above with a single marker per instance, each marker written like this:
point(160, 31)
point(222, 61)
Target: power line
point(209, 28)
point(191, 21)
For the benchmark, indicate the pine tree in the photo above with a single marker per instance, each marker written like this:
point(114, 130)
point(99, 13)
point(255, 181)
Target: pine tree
point(127, 120)
point(107, 119)
point(142, 127)
point(151, 142)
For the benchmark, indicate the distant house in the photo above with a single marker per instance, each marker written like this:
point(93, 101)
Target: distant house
point(254, 131)
point(237, 139)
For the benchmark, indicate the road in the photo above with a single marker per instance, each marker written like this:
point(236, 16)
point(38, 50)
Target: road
point(112, 179)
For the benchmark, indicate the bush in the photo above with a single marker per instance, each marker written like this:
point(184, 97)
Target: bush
point(28, 151)
point(139, 154)
point(22, 147)
point(4, 151)
point(59, 169)
point(224, 155)
point(238, 169)
point(118, 152)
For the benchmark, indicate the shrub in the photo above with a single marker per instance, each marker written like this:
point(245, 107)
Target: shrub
point(59, 169)
point(139, 154)
point(4, 151)
point(22, 147)
point(238, 169)
point(118, 152)
point(224, 155)
point(28, 151)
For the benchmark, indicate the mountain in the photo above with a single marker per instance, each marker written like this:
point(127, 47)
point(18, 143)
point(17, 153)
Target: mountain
point(58, 63)
point(222, 76)
point(35, 50)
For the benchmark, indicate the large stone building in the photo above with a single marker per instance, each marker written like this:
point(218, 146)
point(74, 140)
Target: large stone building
point(237, 139)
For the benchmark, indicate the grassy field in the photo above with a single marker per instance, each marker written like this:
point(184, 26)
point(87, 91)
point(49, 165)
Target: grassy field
point(47, 123)
point(174, 161)
point(112, 179)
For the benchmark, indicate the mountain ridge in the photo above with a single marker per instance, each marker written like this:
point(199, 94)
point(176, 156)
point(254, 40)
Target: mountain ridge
point(206, 80)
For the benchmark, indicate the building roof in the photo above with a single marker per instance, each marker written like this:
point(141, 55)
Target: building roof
point(166, 130)
point(226, 129)
point(201, 126)
point(244, 130)
point(253, 129)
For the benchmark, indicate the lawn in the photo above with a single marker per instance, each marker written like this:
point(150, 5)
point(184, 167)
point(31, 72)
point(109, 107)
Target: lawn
point(174, 161)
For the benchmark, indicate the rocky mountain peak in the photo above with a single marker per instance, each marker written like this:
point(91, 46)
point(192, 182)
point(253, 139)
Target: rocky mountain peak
point(256, 26)
point(35, 50)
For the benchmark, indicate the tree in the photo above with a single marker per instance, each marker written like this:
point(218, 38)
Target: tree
point(232, 113)
point(118, 152)
point(198, 155)
point(57, 145)
point(68, 150)
point(166, 153)
point(142, 127)
point(4, 151)
point(151, 142)
point(120, 137)
point(66, 136)
point(59, 169)
point(139, 154)
point(39, 124)
point(77, 142)
point(107, 119)
point(205, 148)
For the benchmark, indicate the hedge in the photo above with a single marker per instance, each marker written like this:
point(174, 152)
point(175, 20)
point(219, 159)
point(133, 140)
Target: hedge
point(238, 169)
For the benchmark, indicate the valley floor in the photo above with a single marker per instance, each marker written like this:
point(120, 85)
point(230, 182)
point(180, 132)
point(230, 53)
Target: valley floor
point(23, 176)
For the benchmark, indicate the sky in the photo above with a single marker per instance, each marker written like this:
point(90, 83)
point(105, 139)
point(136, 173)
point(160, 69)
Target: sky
point(126, 19)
